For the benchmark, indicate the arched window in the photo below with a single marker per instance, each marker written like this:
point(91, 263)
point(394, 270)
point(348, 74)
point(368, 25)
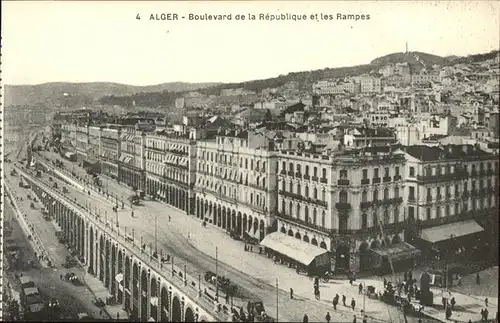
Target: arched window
point(298, 211)
point(315, 216)
point(299, 189)
point(306, 192)
point(364, 196)
point(290, 167)
point(323, 219)
point(306, 214)
point(290, 208)
point(315, 193)
point(323, 195)
point(343, 197)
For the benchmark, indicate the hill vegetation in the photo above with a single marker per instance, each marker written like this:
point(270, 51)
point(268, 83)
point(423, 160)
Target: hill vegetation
point(80, 94)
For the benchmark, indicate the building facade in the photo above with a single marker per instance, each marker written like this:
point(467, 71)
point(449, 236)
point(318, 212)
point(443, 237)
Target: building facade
point(110, 151)
point(236, 183)
point(170, 164)
point(131, 163)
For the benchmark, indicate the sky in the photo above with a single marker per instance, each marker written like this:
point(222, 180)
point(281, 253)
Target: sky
point(54, 41)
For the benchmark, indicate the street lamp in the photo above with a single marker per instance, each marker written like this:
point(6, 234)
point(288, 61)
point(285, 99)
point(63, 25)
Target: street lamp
point(156, 234)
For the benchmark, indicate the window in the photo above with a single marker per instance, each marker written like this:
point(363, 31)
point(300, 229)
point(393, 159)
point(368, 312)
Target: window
point(290, 167)
point(412, 172)
point(323, 219)
point(396, 215)
point(428, 171)
point(438, 193)
point(290, 208)
point(283, 206)
point(428, 213)
point(447, 210)
point(315, 216)
point(283, 166)
point(315, 193)
point(343, 197)
point(386, 216)
point(456, 208)
point(447, 191)
point(457, 190)
point(397, 170)
point(375, 173)
point(307, 170)
point(298, 211)
point(299, 189)
point(315, 171)
point(306, 193)
point(375, 195)
point(283, 186)
point(375, 219)
point(306, 214)
point(438, 212)
point(386, 194)
point(246, 163)
point(396, 192)
point(298, 169)
point(364, 221)
point(343, 174)
point(324, 173)
point(365, 173)
point(251, 164)
point(323, 195)
point(386, 172)
point(291, 187)
point(411, 193)
point(364, 196)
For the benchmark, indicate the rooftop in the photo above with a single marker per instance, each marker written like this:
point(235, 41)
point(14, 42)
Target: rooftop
point(449, 152)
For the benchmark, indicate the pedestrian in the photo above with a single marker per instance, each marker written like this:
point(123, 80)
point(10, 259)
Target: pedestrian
point(227, 298)
point(385, 282)
point(291, 293)
point(328, 317)
point(353, 303)
point(470, 321)
point(448, 312)
point(452, 303)
point(486, 301)
point(486, 314)
point(459, 280)
point(100, 312)
point(60, 276)
point(305, 319)
point(344, 299)
point(117, 316)
point(405, 276)
point(482, 314)
point(365, 320)
point(410, 276)
point(354, 319)
point(251, 248)
point(478, 279)
point(360, 288)
point(169, 218)
point(335, 301)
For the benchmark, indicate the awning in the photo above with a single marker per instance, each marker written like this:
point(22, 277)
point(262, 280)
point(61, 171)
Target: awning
point(447, 231)
point(296, 249)
point(396, 252)
point(119, 277)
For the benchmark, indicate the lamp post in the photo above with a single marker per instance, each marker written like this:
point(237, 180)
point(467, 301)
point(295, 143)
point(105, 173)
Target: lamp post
point(216, 274)
point(156, 233)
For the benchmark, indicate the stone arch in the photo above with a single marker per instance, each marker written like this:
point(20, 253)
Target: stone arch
point(396, 239)
point(176, 310)
point(238, 222)
point(297, 235)
point(135, 290)
point(144, 297)
point(255, 225)
point(322, 245)
point(164, 304)
point(250, 223)
point(245, 222)
point(283, 230)
point(91, 250)
point(364, 256)
point(154, 293)
point(261, 229)
point(290, 232)
point(113, 269)
point(107, 258)
point(314, 241)
point(189, 315)
point(306, 238)
point(127, 281)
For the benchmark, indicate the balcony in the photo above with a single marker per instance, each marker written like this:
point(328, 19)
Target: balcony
point(429, 199)
point(412, 199)
point(365, 181)
point(315, 178)
point(489, 172)
point(323, 180)
point(302, 223)
point(473, 173)
point(290, 173)
point(283, 172)
point(341, 206)
point(473, 192)
point(465, 195)
point(290, 195)
point(307, 177)
point(397, 177)
point(298, 175)
point(376, 180)
point(386, 179)
point(365, 205)
point(342, 182)
point(482, 172)
point(439, 197)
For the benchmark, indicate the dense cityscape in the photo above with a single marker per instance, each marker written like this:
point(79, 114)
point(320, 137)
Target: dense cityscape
point(379, 188)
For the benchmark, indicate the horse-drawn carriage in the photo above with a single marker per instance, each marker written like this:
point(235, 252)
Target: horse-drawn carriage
point(224, 283)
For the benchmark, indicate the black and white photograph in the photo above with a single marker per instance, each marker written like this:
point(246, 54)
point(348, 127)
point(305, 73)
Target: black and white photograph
point(250, 161)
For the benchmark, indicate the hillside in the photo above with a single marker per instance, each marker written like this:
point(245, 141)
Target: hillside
point(52, 94)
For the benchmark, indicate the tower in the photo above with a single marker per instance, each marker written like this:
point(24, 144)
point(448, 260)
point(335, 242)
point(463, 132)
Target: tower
point(406, 48)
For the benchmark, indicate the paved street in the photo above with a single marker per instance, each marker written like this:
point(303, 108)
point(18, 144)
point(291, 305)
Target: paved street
point(255, 275)
point(76, 298)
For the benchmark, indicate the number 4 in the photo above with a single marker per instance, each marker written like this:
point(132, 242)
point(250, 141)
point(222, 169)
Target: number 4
point(138, 17)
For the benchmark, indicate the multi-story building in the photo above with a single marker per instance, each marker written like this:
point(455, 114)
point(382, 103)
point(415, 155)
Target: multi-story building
point(131, 164)
point(327, 87)
point(110, 150)
point(236, 182)
point(68, 138)
point(170, 164)
point(337, 202)
point(94, 147)
point(82, 140)
point(370, 84)
point(450, 190)
point(368, 137)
